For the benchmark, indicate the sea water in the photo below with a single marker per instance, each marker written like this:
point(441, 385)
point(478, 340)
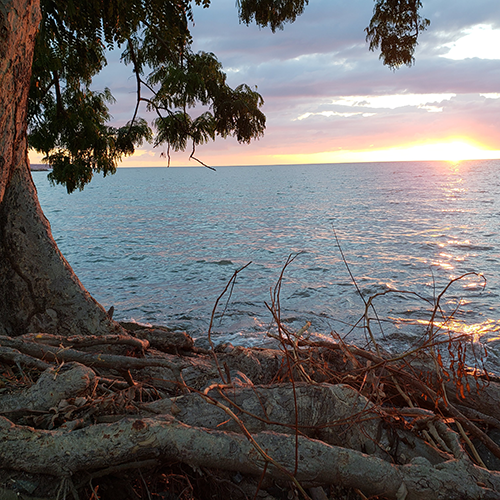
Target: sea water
point(161, 244)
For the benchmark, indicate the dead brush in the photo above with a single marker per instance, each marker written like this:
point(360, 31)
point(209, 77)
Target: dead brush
point(393, 399)
point(395, 382)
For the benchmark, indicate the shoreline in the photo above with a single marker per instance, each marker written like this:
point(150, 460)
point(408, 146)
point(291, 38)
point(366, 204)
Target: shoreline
point(40, 167)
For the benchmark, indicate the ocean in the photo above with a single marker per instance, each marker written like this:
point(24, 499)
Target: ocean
point(161, 244)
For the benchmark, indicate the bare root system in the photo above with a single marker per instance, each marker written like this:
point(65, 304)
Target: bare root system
point(145, 414)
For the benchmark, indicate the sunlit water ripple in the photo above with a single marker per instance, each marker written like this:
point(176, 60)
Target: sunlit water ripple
point(160, 245)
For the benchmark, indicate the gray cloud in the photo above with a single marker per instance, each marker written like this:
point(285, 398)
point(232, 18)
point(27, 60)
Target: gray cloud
point(322, 56)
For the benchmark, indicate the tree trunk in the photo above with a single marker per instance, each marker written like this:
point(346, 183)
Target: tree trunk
point(38, 289)
point(332, 434)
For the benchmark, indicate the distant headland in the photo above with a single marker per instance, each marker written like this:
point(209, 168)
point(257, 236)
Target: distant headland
point(36, 167)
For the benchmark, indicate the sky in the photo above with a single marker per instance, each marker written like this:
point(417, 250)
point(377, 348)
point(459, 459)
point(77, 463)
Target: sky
point(328, 99)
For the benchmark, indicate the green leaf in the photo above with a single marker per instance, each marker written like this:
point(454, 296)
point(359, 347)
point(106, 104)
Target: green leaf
point(394, 28)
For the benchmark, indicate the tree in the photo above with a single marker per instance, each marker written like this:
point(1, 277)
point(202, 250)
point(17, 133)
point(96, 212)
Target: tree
point(394, 28)
point(110, 400)
point(68, 121)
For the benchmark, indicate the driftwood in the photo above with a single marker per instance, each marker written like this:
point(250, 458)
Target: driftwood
point(308, 416)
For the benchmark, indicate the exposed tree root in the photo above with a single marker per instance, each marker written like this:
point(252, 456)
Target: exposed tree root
point(361, 421)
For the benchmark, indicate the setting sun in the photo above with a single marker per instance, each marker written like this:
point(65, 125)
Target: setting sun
point(452, 151)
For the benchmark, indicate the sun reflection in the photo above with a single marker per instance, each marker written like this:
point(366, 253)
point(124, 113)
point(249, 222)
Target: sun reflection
point(473, 285)
point(442, 254)
point(452, 326)
point(475, 331)
point(443, 265)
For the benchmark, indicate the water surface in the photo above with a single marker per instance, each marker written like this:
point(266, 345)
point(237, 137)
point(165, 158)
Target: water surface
point(161, 244)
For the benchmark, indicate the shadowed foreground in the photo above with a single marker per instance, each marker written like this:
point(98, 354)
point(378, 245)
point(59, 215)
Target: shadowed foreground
point(146, 413)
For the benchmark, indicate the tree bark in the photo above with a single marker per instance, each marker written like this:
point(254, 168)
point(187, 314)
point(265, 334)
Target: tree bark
point(38, 289)
point(315, 433)
point(63, 454)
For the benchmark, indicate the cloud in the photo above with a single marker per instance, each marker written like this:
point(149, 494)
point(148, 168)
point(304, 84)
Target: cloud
point(334, 113)
point(392, 101)
point(481, 41)
point(325, 91)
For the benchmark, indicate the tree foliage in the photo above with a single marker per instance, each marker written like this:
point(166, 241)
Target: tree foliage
point(271, 13)
point(68, 120)
point(394, 28)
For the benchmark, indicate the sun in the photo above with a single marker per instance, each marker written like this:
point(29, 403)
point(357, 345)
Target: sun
point(452, 150)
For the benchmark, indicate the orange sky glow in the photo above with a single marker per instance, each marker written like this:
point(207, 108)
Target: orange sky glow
point(452, 150)
point(328, 99)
